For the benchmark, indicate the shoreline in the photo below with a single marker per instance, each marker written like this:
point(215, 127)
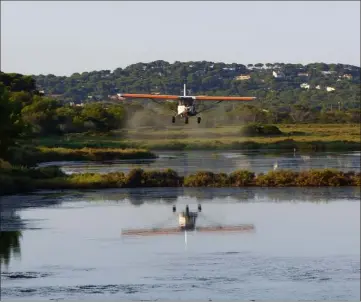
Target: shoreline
point(32, 156)
point(145, 150)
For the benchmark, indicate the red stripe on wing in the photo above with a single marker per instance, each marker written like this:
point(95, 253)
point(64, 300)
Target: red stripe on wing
point(224, 98)
point(149, 96)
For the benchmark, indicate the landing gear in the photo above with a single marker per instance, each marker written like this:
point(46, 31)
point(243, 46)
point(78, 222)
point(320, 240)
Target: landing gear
point(199, 119)
point(186, 120)
point(199, 208)
point(174, 209)
point(173, 119)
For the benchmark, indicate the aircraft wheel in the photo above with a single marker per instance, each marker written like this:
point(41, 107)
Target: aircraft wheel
point(173, 119)
point(186, 120)
point(199, 119)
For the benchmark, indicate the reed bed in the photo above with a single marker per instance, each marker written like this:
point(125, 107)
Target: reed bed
point(18, 179)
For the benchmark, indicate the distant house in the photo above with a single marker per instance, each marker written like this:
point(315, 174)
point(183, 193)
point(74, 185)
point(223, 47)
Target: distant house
point(229, 68)
point(318, 87)
point(305, 86)
point(278, 74)
point(55, 96)
point(347, 76)
point(302, 74)
point(330, 88)
point(328, 72)
point(96, 97)
point(243, 77)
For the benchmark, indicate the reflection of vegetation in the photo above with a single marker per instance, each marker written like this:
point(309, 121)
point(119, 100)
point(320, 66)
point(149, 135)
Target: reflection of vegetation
point(212, 193)
point(136, 196)
point(9, 246)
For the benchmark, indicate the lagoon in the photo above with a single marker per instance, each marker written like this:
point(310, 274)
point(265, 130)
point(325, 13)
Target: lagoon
point(306, 245)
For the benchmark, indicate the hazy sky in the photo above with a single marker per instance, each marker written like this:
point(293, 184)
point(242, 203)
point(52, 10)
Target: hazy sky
point(65, 37)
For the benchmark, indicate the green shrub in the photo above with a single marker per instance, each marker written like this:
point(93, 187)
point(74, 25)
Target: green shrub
point(260, 130)
point(206, 179)
point(280, 178)
point(167, 178)
point(241, 178)
point(317, 178)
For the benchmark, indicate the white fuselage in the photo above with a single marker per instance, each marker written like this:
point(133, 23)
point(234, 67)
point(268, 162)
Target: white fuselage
point(186, 106)
point(181, 109)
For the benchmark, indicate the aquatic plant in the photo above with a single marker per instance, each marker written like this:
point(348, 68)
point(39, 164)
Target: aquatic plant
point(20, 179)
point(241, 178)
point(280, 178)
point(206, 179)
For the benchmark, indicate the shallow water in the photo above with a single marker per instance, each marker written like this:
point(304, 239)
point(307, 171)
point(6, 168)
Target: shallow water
point(306, 245)
point(185, 162)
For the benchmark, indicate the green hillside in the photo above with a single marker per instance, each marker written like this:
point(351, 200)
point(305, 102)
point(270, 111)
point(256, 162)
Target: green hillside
point(277, 84)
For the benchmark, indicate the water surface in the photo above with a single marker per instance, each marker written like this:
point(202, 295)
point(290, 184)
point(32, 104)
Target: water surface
point(185, 162)
point(306, 245)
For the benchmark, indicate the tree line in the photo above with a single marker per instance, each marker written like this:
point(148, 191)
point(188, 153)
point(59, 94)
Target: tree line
point(25, 113)
point(215, 78)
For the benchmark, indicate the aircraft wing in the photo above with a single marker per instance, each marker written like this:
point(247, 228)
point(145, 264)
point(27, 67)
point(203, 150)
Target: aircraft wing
point(149, 96)
point(223, 98)
point(177, 97)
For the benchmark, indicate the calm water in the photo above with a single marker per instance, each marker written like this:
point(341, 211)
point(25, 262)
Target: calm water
point(306, 245)
point(219, 161)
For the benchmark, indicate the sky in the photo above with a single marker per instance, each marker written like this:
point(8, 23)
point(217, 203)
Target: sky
point(49, 37)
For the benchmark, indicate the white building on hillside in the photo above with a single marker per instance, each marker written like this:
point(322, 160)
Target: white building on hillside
point(278, 74)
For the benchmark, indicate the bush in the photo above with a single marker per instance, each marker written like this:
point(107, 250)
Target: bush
point(206, 179)
point(260, 130)
point(241, 178)
point(356, 180)
point(280, 178)
point(4, 164)
point(317, 178)
point(167, 178)
point(16, 180)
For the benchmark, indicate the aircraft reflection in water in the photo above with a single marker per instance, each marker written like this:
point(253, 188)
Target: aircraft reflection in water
point(9, 246)
point(187, 222)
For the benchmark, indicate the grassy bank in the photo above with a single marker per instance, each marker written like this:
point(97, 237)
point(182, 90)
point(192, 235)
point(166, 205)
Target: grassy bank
point(30, 156)
point(17, 180)
point(308, 137)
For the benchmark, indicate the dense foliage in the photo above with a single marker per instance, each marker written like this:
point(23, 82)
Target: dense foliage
point(66, 104)
point(287, 87)
point(24, 112)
